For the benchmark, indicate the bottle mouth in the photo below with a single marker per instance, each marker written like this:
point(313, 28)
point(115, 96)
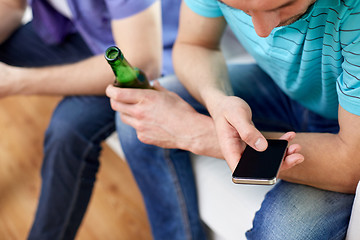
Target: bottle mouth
point(113, 53)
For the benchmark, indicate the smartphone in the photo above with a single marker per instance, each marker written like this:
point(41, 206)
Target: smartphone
point(260, 167)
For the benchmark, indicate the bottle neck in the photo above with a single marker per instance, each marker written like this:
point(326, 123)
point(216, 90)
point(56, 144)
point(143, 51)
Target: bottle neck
point(123, 71)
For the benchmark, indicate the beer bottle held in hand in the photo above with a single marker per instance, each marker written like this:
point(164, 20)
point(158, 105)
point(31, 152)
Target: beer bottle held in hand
point(126, 76)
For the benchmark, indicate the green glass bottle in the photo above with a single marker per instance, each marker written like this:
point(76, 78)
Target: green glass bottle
point(126, 76)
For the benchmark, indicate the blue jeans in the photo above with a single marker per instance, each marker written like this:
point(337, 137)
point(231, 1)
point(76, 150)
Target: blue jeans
point(165, 179)
point(289, 211)
point(72, 147)
point(72, 141)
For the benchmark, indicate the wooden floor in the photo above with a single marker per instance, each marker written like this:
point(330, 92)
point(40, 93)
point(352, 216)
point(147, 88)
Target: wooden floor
point(116, 209)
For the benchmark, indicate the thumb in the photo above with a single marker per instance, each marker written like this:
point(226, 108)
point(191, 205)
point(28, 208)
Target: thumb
point(252, 137)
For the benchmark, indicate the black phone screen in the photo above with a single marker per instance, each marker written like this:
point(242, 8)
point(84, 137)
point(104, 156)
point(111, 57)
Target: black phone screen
point(261, 165)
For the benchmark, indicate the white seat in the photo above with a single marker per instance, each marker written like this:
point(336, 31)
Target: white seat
point(228, 209)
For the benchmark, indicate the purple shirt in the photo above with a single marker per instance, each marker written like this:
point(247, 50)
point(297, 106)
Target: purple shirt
point(92, 19)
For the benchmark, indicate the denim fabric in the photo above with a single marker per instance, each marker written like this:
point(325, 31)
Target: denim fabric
point(25, 49)
point(71, 161)
point(272, 111)
point(166, 181)
point(72, 148)
point(72, 141)
point(292, 211)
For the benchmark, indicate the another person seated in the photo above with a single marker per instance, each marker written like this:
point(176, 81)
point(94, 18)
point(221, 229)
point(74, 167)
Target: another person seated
point(305, 80)
point(61, 52)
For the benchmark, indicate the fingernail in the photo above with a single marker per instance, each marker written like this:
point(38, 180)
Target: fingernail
point(260, 144)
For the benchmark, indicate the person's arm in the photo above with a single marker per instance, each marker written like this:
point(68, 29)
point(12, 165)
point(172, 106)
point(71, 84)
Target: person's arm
point(91, 76)
point(164, 119)
point(201, 67)
point(11, 13)
point(332, 161)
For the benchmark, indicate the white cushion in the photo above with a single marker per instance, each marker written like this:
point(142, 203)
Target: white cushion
point(226, 208)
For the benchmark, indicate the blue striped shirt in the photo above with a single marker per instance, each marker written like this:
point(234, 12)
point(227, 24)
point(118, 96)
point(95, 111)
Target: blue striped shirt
point(315, 60)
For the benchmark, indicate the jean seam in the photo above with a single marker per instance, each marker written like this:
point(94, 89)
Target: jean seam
point(78, 181)
point(104, 129)
point(182, 203)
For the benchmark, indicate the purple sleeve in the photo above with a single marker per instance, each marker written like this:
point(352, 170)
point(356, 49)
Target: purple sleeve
point(125, 8)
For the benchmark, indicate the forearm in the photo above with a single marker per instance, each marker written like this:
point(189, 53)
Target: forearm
point(328, 162)
point(197, 59)
point(202, 71)
point(90, 76)
point(11, 13)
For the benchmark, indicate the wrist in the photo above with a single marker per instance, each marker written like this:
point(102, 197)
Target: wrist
point(17, 81)
point(211, 98)
point(203, 139)
point(23, 81)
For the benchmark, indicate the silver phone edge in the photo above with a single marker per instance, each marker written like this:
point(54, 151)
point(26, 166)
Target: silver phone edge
point(254, 181)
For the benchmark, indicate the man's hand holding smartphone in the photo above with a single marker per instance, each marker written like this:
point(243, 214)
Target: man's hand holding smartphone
point(257, 167)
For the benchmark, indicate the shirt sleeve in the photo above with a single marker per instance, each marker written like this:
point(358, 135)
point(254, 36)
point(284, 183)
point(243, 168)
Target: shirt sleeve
point(205, 8)
point(348, 83)
point(119, 9)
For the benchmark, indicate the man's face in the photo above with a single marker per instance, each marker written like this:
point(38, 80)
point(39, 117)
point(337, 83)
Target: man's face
point(268, 14)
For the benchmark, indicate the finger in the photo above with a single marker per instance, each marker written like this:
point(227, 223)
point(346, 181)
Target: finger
point(134, 123)
point(128, 120)
point(123, 108)
point(253, 137)
point(246, 129)
point(126, 95)
point(141, 130)
point(289, 136)
point(293, 148)
point(157, 86)
point(291, 161)
point(230, 143)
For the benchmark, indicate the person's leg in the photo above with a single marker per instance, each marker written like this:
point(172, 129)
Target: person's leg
point(291, 211)
point(72, 141)
point(166, 181)
point(71, 161)
point(25, 49)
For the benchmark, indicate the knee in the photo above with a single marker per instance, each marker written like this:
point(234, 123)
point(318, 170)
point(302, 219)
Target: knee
point(60, 132)
point(285, 227)
point(292, 211)
point(68, 140)
point(67, 150)
point(273, 227)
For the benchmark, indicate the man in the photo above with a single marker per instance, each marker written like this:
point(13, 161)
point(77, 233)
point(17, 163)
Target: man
point(306, 80)
point(61, 51)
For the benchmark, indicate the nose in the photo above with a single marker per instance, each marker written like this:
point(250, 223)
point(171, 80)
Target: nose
point(265, 21)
